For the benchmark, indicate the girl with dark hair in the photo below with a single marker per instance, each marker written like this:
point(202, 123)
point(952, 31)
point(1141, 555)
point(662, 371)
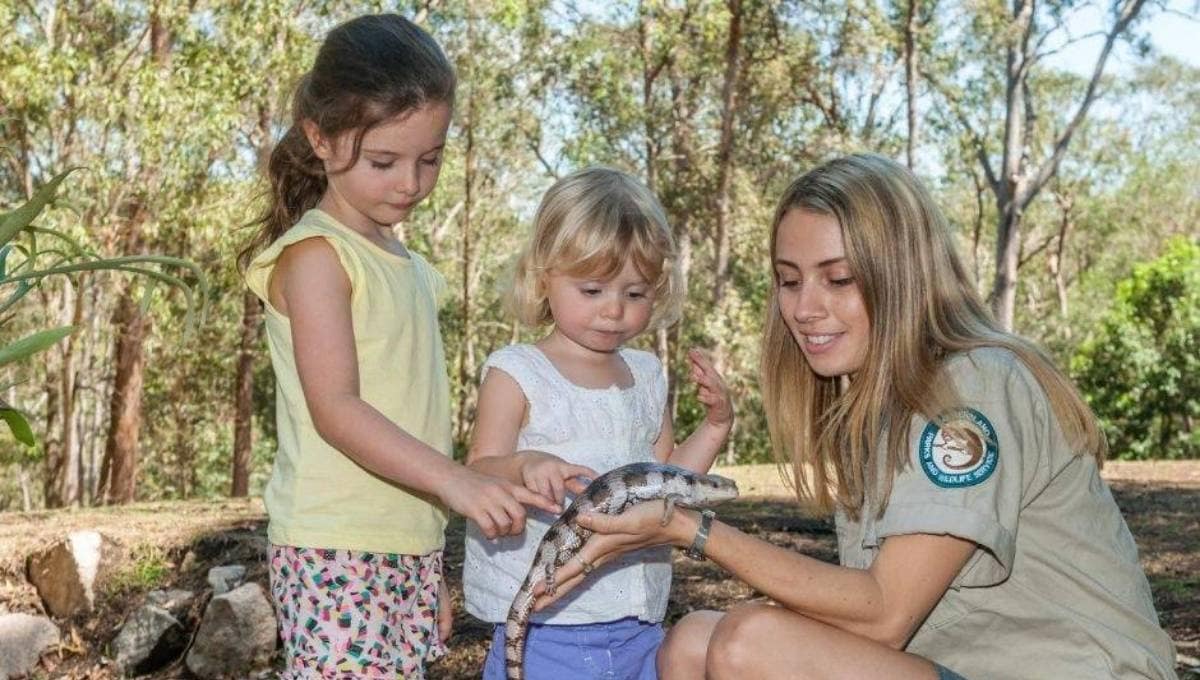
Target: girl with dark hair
point(976, 537)
point(363, 475)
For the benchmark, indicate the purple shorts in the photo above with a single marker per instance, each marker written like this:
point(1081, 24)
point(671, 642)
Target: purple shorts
point(625, 649)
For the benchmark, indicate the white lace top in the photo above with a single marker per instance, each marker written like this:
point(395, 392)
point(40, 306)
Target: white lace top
point(602, 429)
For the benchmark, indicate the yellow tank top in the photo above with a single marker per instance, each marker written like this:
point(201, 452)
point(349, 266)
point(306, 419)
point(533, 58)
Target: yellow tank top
point(318, 497)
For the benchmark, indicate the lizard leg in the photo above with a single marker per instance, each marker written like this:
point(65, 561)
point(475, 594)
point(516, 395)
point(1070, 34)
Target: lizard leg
point(668, 508)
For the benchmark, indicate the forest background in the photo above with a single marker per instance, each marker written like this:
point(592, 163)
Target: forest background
point(1063, 145)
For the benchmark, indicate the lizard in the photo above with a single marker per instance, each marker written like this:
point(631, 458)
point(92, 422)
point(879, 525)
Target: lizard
point(610, 493)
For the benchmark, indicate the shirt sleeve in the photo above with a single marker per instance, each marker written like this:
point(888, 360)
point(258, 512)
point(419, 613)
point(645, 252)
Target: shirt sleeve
point(515, 363)
point(971, 468)
point(258, 273)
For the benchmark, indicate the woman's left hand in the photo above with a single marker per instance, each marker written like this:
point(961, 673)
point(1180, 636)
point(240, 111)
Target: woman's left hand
point(711, 389)
point(614, 535)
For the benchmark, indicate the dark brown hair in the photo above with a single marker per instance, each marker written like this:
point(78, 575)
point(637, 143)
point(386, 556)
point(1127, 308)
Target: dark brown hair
point(368, 71)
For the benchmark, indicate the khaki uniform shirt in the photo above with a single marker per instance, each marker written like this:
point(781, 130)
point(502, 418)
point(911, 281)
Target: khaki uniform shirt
point(1054, 589)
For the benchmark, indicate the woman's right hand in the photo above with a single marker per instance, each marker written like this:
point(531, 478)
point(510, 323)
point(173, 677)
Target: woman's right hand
point(496, 505)
point(551, 476)
point(638, 527)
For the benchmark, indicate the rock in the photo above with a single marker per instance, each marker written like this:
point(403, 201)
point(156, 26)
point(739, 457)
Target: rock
point(225, 579)
point(177, 602)
point(188, 563)
point(236, 634)
point(23, 638)
point(148, 640)
point(66, 574)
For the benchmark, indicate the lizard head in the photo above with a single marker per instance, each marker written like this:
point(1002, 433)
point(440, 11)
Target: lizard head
point(713, 489)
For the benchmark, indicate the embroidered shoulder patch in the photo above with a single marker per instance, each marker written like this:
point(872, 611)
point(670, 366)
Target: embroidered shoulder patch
point(958, 449)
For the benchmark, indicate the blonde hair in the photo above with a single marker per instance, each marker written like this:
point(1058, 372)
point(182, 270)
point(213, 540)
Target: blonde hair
point(922, 307)
point(589, 224)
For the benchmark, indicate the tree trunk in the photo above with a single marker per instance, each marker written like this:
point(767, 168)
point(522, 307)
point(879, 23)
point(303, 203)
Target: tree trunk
point(466, 346)
point(1010, 186)
point(54, 462)
point(911, 26)
point(1019, 182)
point(651, 69)
point(26, 495)
point(684, 243)
point(723, 208)
point(118, 483)
point(243, 420)
point(119, 470)
point(63, 466)
point(92, 424)
point(723, 199)
point(72, 483)
point(682, 126)
point(243, 413)
point(977, 227)
point(1054, 260)
point(1008, 253)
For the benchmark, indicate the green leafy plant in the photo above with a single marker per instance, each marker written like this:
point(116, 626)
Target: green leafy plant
point(1141, 372)
point(30, 254)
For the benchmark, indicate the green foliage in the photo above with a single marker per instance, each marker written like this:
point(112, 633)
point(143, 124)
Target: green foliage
point(19, 278)
point(1141, 373)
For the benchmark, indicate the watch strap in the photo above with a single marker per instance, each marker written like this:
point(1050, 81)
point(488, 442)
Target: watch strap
point(696, 551)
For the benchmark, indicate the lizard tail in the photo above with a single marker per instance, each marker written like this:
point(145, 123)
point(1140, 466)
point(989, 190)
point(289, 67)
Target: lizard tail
point(516, 629)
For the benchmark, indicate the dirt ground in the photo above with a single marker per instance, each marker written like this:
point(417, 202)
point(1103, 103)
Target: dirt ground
point(173, 544)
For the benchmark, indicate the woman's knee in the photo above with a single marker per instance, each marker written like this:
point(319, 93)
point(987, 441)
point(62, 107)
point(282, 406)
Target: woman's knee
point(743, 640)
point(686, 645)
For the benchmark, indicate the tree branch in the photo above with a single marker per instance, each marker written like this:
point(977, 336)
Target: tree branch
point(1128, 12)
point(976, 140)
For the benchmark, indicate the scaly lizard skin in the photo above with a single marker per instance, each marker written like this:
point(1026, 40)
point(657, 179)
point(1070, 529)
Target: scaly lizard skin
point(611, 493)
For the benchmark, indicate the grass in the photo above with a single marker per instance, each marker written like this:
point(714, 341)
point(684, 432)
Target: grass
point(147, 567)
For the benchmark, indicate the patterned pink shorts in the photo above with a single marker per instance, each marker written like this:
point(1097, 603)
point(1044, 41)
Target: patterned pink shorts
point(350, 614)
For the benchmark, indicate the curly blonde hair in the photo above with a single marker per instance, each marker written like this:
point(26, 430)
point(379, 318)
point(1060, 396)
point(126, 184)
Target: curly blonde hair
point(590, 223)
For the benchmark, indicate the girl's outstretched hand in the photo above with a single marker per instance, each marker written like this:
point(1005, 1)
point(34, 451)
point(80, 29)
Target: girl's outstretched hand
point(551, 476)
point(495, 505)
point(614, 535)
point(711, 389)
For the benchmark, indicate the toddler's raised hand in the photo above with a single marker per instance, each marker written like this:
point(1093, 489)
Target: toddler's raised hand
point(496, 505)
point(552, 476)
point(711, 389)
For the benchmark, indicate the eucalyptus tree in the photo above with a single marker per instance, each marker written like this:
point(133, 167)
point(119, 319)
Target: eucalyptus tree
point(989, 66)
point(491, 179)
point(163, 171)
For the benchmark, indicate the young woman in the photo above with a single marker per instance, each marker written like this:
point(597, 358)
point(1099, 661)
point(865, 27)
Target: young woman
point(976, 537)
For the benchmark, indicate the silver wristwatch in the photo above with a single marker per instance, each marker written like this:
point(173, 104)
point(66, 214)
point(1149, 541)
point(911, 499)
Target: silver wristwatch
point(696, 552)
